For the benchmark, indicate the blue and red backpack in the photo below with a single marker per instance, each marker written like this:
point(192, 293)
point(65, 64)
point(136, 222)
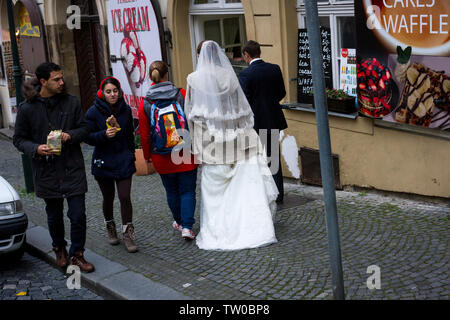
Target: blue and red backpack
point(168, 124)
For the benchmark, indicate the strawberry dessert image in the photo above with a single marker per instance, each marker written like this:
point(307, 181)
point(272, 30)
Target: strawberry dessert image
point(134, 60)
point(374, 88)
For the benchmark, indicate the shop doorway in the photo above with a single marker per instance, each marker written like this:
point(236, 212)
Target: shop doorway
point(89, 52)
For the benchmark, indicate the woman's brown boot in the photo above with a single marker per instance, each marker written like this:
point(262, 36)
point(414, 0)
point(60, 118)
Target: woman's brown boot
point(112, 233)
point(129, 238)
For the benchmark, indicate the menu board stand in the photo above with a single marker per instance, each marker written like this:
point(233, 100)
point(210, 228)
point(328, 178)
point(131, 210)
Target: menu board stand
point(305, 83)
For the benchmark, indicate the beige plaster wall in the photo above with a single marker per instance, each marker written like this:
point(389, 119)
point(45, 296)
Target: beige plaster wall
point(273, 23)
point(181, 53)
point(379, 158)
point(60, 43)
point(369, 156)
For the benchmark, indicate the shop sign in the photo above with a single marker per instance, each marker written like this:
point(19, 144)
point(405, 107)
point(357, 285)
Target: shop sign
point(135, 38)
point(404, 61)
point(25, 26)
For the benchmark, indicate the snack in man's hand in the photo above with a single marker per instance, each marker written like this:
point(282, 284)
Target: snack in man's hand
point(111, 122)
point(54, 142)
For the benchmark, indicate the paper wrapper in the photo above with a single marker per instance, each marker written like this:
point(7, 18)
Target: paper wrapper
point(54, 141)
point(111, 122)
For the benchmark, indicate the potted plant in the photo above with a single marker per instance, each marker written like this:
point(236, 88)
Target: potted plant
point(142, 167)
point(339, 101)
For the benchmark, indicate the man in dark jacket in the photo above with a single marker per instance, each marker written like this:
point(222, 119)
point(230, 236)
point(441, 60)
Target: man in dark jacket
point(264, 87)
point(47, 107)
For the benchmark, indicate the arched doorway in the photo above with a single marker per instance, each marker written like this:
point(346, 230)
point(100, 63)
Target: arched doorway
point(30, 36)
point(89, 52)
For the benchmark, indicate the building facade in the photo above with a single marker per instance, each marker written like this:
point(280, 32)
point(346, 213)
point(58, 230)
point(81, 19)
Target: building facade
point(368, 152)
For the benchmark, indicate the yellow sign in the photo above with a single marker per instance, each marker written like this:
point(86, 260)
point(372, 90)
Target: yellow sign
point(26, 29)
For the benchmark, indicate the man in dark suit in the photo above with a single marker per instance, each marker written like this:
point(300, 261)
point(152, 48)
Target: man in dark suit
point(263, 85)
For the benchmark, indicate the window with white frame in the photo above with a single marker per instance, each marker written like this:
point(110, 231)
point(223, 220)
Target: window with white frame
point(339, 16)
point(222, 21)
point(215, 3)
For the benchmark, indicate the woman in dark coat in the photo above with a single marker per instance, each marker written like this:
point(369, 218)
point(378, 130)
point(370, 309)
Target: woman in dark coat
point(113, 158)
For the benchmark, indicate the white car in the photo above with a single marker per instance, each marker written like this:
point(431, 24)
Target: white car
point(13, 223)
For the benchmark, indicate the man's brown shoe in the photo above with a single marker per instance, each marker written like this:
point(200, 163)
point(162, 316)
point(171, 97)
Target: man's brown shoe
point(79, 261)
point(62, 259)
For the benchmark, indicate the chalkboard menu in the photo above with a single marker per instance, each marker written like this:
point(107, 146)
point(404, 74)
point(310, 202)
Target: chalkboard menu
point(305, 83)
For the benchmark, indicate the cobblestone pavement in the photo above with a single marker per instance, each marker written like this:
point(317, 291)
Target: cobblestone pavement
point(408, 240)
point(33, 279)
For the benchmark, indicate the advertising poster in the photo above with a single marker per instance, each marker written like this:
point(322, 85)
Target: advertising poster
point(403, 49)
point(135, 42)
point(348, 71)
point(25, 27)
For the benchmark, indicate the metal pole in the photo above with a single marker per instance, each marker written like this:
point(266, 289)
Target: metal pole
point(17, 72)
point(326, 164)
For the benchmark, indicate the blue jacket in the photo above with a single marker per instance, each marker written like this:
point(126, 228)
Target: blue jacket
point(263, 86)
point(113, 158)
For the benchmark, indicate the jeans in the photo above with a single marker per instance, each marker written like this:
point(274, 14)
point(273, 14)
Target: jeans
point(77, 216)
point(180, 190)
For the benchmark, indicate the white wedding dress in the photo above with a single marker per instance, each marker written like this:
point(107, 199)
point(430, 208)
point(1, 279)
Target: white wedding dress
point(238, 192)
point(237, 206)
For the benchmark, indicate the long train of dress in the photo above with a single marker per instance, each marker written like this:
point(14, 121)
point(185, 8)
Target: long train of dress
point(238, 206)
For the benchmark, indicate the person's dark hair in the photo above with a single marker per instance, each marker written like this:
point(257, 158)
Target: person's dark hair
point(44, 70)
point(110, 81)
point(199, 47)
point(158, 69)
point(253, 49)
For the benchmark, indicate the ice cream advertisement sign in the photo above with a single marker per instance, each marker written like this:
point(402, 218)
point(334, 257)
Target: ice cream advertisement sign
point(134, 29)
point(404, 61)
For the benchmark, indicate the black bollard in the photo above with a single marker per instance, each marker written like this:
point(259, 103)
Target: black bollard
point(28, 173)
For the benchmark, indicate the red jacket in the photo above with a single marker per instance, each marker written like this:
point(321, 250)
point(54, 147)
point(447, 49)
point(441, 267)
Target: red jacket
point(163, 163)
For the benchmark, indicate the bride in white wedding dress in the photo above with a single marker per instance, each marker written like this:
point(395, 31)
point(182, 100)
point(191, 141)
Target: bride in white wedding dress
point(238, 192)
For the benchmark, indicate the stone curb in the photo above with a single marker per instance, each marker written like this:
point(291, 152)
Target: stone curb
point(110, 280)
point(7, 133)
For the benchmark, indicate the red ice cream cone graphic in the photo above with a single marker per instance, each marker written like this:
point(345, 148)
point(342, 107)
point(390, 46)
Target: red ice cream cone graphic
point(134, 60)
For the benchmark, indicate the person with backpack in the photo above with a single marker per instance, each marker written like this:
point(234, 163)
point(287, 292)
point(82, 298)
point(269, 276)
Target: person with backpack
point(112, 133)
point(162, 123)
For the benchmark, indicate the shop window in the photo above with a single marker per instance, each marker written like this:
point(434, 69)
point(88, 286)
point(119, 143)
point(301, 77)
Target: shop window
point(326, 2)
point(223, 22)
point(205, 1)
point(215, 3)
point(338, 17)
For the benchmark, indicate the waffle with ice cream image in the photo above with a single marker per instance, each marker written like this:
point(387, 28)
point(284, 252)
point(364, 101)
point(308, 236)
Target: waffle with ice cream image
point(424, 88)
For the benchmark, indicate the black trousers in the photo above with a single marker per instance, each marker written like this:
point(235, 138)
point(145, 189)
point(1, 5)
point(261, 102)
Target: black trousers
point(278, 176)
point(77, 217)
